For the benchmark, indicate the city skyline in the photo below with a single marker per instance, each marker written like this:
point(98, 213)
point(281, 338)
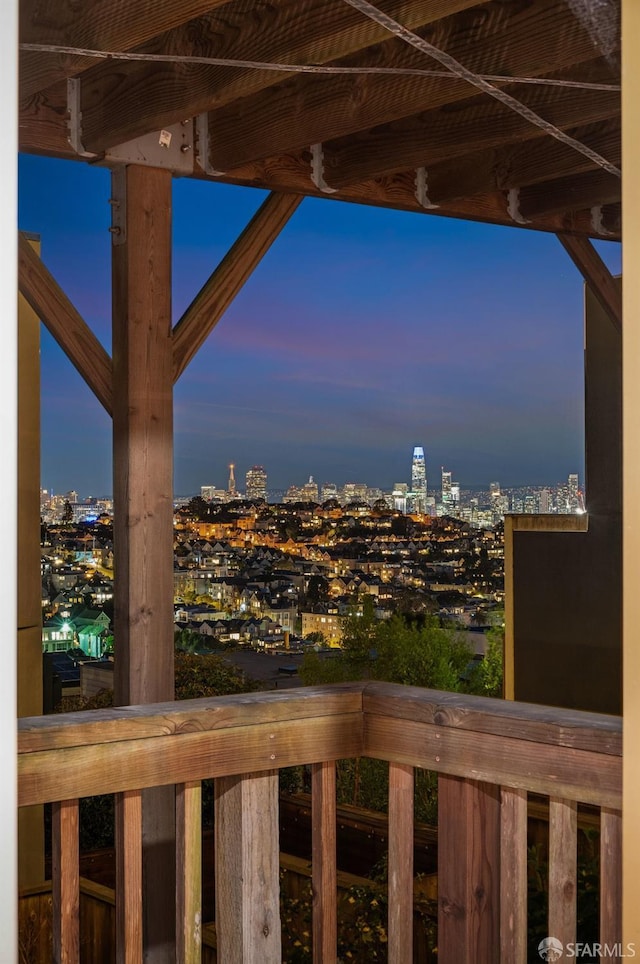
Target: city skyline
point(362, 331)
point(444, 480)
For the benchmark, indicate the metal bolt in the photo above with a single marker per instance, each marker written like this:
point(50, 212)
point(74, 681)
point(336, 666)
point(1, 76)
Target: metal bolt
point(115, 230)
point(185, 148)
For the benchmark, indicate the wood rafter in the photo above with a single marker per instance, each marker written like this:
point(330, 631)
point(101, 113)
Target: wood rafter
point(605, 287)
point(513, 166)
point(95, 24)
point(207, 308)
point(581, 191)
point(307, 31)
point(473, 125)
point(63, 321)
point(308, 110)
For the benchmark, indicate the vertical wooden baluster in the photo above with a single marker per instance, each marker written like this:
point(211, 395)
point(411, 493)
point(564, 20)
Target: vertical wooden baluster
point(247, 872)
point(129, 877)
point(66, 882)
point(513, 877)
point(611, 878)
point(468, 871)
point(400, 923)
point(563, 841)
point(189, 873)
point(324, 873)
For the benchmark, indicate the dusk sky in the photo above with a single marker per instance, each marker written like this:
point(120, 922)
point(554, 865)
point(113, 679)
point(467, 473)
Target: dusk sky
point(362, 333)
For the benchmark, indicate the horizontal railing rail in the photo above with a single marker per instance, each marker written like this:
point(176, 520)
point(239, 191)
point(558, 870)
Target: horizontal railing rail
point(489, 754)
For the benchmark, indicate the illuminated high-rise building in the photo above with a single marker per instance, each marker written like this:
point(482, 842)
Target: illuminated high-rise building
point(418, 480)
point(231, 488)
point(329, 491)
point(309, 491)
point(399, 496)
point(256, 484)
point(573, 494)
point(446, 491)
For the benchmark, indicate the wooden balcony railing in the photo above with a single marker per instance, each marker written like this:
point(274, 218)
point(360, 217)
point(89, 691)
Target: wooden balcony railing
point(489, 755)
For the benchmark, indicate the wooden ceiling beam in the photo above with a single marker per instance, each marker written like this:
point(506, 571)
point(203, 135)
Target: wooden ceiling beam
point(569, 194)
point(521, 164)
point(43, 125)
point(93, 24)
point(209, 305)
point(64, 322)
point(444, 134)
point(605, 287)
point(290, 172)
point(309, 31)
point(312, 109)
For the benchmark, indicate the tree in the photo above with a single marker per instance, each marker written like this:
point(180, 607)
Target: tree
point(317, 589)
point(396, 650)
point(200, 676)
point(187, 640)
point(488, 677)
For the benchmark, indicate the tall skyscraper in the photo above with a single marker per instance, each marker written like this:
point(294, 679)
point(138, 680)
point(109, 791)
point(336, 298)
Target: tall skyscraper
point(309, 491)
point(446, 491)
point(419, 480)
point(399, 496)
point(573, 494)
point(256, 480)
point(231, 488)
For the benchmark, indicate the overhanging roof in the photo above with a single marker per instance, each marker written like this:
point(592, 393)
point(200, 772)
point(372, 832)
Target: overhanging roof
point(416, 122)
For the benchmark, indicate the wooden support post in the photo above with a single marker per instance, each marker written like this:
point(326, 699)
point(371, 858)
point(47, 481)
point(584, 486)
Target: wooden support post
point(247, 869)
point(323, 861)
point(468, 871)
point(30, 819)
point(400, 863)
point(143, 509)
point(66, 882)
point(631, 470)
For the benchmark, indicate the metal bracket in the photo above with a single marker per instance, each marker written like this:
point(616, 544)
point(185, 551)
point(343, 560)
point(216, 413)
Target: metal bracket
point(118, 202)
point(170, 148)
point(203, 146)
point(513, 206)
point(74, 121)
point(317, 170)
point(422, 190)
point(598, 224)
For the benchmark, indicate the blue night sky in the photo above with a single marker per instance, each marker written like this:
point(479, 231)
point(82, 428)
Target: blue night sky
point(362, 333)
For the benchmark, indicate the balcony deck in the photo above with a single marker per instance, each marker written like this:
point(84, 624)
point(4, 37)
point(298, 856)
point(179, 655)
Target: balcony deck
point(489, 755)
